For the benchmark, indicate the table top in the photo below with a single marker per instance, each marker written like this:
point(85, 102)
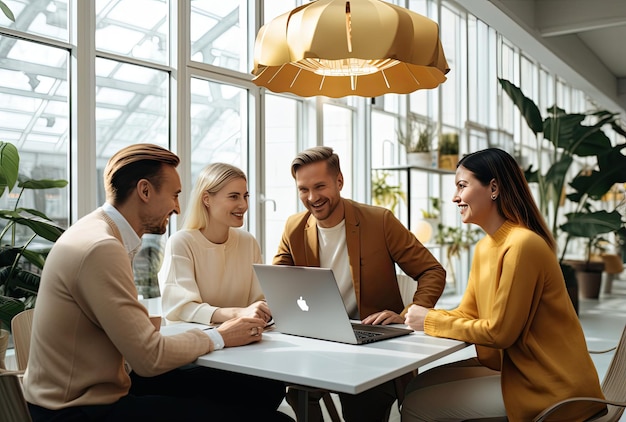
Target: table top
point(324, 364)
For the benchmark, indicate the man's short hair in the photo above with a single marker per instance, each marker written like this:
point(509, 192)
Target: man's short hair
point(133, 163)
point(314, 155)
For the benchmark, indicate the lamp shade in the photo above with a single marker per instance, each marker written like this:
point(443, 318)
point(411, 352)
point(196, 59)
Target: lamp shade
point(358, 47)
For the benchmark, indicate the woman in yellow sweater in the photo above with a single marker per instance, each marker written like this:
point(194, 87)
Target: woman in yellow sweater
point(531, 350)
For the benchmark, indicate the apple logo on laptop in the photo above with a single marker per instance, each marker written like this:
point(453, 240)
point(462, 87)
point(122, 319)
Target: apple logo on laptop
point(302, 304)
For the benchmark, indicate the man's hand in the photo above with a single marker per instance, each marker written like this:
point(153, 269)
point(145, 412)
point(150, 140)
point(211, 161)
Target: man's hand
point(415, 317)
point(383, 318)
point(240, 331)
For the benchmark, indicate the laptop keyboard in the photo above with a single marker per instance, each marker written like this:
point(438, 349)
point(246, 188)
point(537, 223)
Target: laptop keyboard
point(364, 335)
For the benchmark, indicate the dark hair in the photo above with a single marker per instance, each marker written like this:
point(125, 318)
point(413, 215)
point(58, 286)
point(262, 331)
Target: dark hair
point(314, 155)
point(133, 163)
point(515, 200)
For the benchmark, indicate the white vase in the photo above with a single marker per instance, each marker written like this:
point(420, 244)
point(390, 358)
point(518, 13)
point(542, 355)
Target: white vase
point(419, 159)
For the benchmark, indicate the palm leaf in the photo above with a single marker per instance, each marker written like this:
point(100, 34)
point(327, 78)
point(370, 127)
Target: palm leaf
point(525, 105)
point(9, 164)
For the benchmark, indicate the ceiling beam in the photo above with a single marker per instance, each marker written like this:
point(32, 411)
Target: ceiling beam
point(563, 17)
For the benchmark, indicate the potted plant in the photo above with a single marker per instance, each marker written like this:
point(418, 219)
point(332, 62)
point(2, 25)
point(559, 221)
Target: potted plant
point(19, 262)
point(448, 150)
point(568, 139)
point(385, 194)
point(456, 239)
point(417, 141)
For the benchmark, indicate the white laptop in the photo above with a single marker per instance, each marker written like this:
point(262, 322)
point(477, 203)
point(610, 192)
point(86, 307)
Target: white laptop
point(305, 301)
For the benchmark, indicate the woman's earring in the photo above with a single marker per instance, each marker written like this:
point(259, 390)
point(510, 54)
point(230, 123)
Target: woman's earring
point(493, 197)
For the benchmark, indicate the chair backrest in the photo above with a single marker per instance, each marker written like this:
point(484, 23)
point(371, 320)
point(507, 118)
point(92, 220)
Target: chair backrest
point(407, 288)
point(612, 263)
point(614, 383)
point(21, 327)
point(13, 406)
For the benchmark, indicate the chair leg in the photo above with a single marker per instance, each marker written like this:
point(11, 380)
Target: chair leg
point(330, 407)
point(608, 283)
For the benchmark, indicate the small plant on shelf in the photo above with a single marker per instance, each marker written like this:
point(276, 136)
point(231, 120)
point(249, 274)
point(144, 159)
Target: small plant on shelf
point(449, 144)
point(385, 194)
point(448, 150)
point(418, 137)
point(433, 210)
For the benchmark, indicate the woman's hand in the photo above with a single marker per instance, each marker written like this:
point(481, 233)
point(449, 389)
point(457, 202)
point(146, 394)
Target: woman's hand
point(240, 331)
point(415, 316)
point(258, 309)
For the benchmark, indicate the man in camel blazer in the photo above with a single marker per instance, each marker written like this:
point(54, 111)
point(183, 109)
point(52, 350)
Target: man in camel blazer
point(362, 244)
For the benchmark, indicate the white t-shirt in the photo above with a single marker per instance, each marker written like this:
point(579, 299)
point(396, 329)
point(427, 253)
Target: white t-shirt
point(334, 254)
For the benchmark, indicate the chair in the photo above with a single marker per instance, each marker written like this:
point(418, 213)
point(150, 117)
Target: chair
point(13, 405)
point(613, 387)
point(4, 344)
point(613, 267)
point(21, 327)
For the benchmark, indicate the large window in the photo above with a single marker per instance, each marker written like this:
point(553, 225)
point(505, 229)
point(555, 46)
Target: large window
point(131, 107)
point(219, 129)
point(80, 79)
point(338, 135)
point(34, 115)
point(279, 198)
point(218, 33)
point(134, 28)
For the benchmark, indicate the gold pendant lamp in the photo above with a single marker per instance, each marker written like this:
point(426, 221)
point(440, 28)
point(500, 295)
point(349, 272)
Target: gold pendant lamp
point(338, 48)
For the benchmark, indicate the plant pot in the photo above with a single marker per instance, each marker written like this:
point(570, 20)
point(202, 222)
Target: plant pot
point(419, 159)
point(589, 277)
point(448, 161)
point(589, 284)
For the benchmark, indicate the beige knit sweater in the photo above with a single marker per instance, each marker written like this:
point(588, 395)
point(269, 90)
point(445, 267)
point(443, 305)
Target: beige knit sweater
point(88, 320)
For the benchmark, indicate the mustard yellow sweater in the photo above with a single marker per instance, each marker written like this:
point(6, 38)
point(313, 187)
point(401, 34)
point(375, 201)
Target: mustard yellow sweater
point(517, 312)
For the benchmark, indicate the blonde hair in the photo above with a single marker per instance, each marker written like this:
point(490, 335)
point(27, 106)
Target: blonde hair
point(314, 155)
point(211, 179)
point(131, 164)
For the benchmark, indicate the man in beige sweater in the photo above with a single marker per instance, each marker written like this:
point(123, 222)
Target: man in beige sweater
point(88, 320)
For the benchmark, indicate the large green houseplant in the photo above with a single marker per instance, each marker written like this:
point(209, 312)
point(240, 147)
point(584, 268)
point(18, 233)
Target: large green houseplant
point(18, 284)
point(569, 138)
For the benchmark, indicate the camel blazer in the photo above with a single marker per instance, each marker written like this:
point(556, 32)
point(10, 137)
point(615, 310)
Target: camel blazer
point(376, 242)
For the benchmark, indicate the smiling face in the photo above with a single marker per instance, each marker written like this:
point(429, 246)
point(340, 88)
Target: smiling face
point(320, 193)
point(228, 206)
point(474, 199)
point(163, 202)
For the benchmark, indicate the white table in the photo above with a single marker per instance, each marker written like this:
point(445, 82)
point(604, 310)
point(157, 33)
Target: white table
point(327, 365)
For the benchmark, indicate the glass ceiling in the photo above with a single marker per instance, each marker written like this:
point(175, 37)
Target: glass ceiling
point(132, 100)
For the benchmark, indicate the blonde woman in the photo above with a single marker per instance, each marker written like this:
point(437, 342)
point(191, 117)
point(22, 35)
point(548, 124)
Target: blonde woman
point(207, 274)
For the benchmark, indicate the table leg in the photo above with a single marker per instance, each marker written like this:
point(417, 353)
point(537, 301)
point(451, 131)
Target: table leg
point(302, 414)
